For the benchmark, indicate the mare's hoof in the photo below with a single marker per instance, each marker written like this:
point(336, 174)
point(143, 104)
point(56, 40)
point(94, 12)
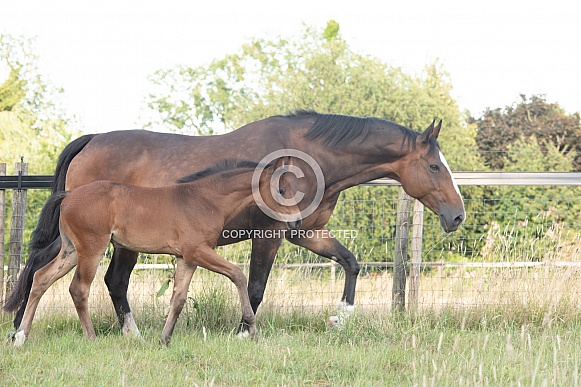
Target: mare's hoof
point(344, 311)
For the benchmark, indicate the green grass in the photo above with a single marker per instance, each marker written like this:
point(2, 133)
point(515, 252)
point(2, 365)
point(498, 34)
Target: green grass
point(451, 347)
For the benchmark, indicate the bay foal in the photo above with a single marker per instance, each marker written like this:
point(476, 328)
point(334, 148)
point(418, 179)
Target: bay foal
point(184, 220)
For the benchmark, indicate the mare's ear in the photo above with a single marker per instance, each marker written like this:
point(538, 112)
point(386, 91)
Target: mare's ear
point(436, 131)
point(431, 131)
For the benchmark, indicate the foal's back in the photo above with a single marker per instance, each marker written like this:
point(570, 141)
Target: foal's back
point(141, 219)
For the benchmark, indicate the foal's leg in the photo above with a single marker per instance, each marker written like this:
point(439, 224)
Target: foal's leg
point(80, 288)
point(117, 280)
point(43, 279)
point(209, 259)
point(183, 277)
point(46, 254)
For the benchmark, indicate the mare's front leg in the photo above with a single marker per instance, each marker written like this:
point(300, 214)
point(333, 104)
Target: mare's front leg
point(322, 243)
point(117, 280)
point(261, 260)
point(183, 277)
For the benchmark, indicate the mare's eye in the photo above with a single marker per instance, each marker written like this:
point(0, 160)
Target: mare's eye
point(434, 168)
point(281, 191)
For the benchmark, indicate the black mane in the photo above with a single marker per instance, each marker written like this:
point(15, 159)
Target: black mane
point(221, 166)
point(339, 130)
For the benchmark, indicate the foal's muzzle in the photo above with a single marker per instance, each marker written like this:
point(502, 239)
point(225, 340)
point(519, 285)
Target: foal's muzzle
point(294, 225)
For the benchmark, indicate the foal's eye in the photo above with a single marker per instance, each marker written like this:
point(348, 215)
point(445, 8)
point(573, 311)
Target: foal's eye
point(434, 168)
point(281, 191)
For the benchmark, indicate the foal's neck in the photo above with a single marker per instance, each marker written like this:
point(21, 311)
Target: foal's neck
point(228, 191)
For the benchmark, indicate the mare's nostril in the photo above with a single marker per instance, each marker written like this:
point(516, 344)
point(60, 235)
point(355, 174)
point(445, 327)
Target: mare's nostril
point(458, 220)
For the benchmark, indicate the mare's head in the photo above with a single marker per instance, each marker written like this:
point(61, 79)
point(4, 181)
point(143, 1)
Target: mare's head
point(426, 176)
point(275, 191)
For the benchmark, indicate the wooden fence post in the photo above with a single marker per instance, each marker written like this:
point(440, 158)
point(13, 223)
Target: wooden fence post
point(416, 255)
point(401, 249)
point(2, 223)
point(16, 230)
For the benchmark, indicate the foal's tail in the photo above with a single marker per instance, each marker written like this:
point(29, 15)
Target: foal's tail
point(45, 242)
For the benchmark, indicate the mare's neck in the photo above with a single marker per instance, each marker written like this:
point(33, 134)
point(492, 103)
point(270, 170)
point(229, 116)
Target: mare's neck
point(379, 155)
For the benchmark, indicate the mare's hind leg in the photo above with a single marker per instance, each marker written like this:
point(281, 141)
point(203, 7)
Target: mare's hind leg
point(80, 288)
point(209, 259)
point(183, 277)
point(263, 253)
point(43, 279)
point(117, 280)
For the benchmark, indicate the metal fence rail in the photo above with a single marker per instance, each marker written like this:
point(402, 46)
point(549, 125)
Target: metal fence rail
point(505, 179)
point(319, 283)
point(462, 178)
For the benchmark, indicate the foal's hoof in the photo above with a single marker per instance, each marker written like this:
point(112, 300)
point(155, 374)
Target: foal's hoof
point(243, 334)
point(251, 332)
point(333, 322)
point(19, 338)
point(10, 337)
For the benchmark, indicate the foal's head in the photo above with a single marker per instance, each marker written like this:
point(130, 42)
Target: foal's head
point(426, 176)
point(275, 191)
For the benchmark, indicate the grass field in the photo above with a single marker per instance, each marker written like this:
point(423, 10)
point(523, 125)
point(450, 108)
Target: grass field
point(475, 327)
point(446, 348)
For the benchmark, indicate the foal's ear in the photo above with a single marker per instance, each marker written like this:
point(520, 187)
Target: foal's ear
point(431, 131)
point(282, 161)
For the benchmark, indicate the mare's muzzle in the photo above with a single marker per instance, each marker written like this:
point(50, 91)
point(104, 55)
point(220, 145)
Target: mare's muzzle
point(451, 220)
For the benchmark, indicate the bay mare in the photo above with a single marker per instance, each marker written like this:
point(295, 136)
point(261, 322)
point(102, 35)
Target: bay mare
point(349, 150)
point(184, 220)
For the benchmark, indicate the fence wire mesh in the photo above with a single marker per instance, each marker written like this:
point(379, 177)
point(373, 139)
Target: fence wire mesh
point(512, 250)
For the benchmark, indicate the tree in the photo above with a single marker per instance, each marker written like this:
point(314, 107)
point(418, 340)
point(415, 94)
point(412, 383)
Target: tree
point(33, 123)
point(498, 129)
point(12, 91)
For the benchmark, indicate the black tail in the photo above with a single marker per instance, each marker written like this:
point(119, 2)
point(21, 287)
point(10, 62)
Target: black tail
point(45, 241)
point(67, 155)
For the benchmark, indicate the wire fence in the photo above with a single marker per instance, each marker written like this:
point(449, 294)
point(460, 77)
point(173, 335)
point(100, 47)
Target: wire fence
point(520, 245)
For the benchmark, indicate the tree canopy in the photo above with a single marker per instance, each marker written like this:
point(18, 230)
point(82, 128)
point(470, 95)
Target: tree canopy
point(504, 130)
point(12, 91)
point(33, 122)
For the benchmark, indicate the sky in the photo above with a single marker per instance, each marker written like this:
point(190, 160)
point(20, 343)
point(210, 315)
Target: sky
point(101, 53)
